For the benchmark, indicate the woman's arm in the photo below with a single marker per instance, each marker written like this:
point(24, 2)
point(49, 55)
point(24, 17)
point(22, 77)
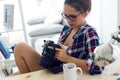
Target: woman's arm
point(64, 57)
point(79, 62)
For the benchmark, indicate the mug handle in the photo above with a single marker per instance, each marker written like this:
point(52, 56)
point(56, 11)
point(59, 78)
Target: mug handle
point(81, 72)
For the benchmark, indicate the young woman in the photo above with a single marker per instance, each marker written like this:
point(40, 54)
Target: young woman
point(77, 40)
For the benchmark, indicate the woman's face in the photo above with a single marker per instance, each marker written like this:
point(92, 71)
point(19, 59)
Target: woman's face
point(74, 18)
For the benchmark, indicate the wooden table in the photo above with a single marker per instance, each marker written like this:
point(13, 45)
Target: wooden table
point(111, 72)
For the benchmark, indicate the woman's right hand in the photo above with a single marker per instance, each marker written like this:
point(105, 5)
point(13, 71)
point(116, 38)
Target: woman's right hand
point(61, 53)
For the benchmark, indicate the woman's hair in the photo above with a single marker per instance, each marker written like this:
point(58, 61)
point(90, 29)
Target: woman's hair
point(79, 5)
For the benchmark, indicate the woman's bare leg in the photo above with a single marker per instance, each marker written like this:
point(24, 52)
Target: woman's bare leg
point(26, 58)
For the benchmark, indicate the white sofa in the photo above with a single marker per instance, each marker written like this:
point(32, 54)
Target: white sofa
point(43, 21)
point(44, 27)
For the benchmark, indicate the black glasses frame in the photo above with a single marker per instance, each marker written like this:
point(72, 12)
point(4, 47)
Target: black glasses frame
point(70, 17)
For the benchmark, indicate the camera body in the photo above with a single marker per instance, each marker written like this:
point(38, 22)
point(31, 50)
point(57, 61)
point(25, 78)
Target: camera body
point(48, 59)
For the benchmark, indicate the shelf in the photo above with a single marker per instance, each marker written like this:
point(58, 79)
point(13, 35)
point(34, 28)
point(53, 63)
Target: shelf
point(9, 30)
point(18, 17)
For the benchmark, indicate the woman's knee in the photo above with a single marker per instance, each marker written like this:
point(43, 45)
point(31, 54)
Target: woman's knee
point(19, 48)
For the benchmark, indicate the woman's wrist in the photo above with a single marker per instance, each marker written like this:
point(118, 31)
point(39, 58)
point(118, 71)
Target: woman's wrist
point(67, 59)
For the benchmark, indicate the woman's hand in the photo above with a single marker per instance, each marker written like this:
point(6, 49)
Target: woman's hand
point(61, 53)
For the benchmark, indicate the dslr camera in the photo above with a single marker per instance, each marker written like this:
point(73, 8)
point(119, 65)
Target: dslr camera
point(48, 59)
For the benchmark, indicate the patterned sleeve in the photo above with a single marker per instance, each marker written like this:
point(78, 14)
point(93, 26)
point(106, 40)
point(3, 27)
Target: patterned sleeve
point(92, 43)
point(93, 68)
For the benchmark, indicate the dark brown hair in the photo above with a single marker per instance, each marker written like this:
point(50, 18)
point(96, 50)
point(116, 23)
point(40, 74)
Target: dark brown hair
point(79, 5)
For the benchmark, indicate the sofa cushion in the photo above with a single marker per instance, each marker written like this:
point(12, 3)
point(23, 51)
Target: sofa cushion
point(36, 20)
point(53, 18)
point(44, 29)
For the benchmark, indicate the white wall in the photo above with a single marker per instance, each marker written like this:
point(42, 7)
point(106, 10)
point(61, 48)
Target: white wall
point(118, 12)
point(31, 8)
point(108, 18)
point(103, 17)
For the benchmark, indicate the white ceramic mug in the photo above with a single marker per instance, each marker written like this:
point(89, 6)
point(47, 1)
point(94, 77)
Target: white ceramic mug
point(70, 71)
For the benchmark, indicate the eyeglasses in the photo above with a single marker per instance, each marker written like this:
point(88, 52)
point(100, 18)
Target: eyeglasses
point(70, 17)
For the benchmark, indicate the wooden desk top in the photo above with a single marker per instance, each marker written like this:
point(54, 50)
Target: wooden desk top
point(111, 72)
